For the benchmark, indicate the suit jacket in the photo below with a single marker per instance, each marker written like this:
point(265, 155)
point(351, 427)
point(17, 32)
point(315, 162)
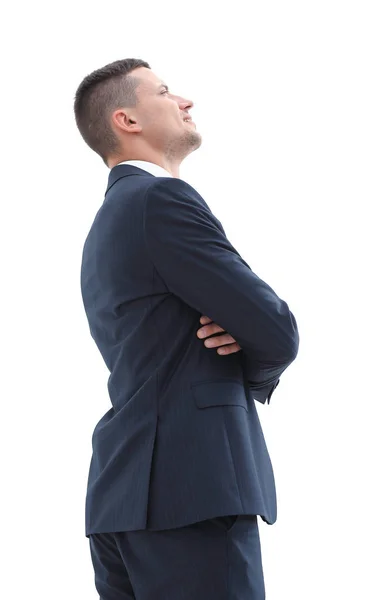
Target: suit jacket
point(182, 441)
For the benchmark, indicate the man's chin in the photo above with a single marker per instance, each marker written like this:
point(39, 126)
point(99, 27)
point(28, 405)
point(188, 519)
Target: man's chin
point(195, 140)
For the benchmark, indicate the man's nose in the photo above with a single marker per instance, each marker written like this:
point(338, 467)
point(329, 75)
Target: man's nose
point(185, 103)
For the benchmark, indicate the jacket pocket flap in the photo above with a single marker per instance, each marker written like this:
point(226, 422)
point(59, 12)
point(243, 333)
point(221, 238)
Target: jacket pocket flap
point(219, 392)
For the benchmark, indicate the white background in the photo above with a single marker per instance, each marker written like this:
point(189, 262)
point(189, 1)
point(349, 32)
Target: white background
point(279, 93)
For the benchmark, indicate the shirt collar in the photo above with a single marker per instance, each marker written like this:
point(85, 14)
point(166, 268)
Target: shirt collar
point(150, 167)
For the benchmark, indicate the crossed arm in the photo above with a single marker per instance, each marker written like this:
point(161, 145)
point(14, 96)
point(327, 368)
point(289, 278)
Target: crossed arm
point(192, 254)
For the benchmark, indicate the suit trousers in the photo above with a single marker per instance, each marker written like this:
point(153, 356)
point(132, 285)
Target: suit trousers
point(215, 559)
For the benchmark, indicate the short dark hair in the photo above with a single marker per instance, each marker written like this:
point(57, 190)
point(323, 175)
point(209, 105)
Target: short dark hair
point(101, 92)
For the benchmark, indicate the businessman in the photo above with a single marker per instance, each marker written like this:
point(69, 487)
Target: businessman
point(180, 470)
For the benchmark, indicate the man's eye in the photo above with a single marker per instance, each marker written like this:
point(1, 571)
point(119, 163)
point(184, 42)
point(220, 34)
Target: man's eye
point(165, 92)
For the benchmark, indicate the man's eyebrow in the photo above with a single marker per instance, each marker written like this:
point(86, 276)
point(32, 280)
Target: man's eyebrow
point(164, 85)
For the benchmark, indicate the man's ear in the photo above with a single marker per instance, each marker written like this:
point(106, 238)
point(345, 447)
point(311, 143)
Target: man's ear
point(125, 122)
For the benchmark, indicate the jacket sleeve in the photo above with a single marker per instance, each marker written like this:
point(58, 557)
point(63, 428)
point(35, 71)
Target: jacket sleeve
point(192, 254)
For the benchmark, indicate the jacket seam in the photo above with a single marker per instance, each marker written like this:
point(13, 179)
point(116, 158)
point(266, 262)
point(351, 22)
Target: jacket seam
point(232, 460)
point(148, 254)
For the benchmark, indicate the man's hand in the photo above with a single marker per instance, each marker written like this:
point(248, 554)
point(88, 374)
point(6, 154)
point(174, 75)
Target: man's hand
point(225, 343)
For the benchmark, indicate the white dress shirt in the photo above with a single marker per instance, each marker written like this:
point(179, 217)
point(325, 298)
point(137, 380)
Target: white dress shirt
point(147, 166)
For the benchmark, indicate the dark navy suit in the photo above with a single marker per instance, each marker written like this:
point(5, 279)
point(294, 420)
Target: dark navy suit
point(182, 442)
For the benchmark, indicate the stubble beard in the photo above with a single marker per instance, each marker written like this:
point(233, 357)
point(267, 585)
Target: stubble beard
point(181, 147)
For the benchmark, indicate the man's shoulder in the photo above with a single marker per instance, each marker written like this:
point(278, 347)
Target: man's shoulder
point(174, 187)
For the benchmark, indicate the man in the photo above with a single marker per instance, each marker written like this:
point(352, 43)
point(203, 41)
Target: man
point(180, 468)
